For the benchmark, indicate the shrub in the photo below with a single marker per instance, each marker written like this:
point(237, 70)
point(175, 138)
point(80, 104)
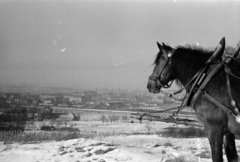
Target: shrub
point(69, 129)
point(12, 128)
point(189, 132)
point(167, 144)
point(48, 128)
point(36, 136)
point(9, 137)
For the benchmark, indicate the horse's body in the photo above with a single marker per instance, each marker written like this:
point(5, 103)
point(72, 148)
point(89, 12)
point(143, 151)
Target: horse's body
point(181, 64)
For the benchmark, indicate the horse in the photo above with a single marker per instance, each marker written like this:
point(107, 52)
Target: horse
point(181, 64)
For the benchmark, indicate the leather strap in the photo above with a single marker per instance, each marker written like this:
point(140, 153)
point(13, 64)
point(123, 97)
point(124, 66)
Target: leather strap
point(208, 78)
point(153, 78)
point(219, 104)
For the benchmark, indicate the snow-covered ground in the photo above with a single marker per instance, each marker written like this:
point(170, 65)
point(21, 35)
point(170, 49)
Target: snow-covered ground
point(141, 148)
point(130, 148)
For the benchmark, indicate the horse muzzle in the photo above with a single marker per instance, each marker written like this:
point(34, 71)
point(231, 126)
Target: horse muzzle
point(154, 86)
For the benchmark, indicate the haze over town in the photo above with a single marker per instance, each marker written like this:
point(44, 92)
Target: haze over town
point(101, 43)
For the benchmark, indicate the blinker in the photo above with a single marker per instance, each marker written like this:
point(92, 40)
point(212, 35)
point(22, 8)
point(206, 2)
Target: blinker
point(169, 55)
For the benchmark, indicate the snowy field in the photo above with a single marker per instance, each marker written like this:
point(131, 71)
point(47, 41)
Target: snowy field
point(113, 148)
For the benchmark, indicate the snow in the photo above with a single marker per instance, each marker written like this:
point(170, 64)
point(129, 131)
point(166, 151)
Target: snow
point(141, 148)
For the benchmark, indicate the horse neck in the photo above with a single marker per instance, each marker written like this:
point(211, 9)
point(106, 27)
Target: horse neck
point(187, 66)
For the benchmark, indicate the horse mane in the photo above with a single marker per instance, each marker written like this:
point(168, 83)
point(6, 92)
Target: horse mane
point(187, 60)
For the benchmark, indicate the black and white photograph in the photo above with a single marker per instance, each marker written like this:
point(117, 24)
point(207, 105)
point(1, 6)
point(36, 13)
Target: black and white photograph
point(119, 80)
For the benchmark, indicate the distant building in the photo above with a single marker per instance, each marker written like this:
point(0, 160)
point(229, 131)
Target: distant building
point(45, 96)
point(75, 99)
point(47, 102)
point(3, 102)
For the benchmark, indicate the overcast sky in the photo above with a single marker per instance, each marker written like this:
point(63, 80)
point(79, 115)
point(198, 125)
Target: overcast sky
point(103, 43)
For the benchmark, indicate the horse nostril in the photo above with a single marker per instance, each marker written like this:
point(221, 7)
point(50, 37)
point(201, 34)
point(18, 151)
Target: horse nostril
point(149, 87)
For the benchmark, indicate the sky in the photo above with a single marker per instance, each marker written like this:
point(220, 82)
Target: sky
point(90, 44)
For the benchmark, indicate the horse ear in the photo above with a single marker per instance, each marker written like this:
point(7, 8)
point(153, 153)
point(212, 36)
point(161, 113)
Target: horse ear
point(159, 46)
point(167, 47)
point(167, 50)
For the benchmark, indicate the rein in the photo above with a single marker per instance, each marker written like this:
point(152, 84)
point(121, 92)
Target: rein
point(166, 85)
point(183, 105)
point(187, 87)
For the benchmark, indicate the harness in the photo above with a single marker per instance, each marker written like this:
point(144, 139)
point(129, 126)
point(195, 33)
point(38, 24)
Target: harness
point(156, 78)
point(200, 89)
point(211, 70)
point(214, 65)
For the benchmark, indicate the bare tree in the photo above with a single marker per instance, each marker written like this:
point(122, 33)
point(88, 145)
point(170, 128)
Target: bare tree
point(125, 118)
point(58, 122)
point(117, 118)
point(65, 120)
point(31, 124)
point(103, 118)
point(53, 121)
point(77, 117)
point(112, 118)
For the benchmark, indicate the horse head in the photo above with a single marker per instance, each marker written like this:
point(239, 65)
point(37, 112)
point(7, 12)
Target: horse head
point(162, 75)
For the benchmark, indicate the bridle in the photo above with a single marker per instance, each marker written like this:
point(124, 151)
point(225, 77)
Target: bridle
point(158, 78)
